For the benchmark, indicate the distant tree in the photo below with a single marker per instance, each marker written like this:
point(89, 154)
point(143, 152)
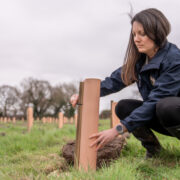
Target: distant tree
point(69, 89)
point(47, 100)
point(9, 100)
point(58, 99)
point(68, 110)
point(105, 114)
point(131, 12)
point(38, 93)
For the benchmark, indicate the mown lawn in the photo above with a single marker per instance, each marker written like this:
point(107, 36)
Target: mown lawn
point(37, 155)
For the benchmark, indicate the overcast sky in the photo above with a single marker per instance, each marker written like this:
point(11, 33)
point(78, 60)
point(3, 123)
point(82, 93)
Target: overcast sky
point(70, 40)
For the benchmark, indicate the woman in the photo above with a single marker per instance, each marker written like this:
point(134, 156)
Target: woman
point(154, 64)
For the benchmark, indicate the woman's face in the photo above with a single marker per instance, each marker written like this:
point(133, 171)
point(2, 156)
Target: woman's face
point(143, 43)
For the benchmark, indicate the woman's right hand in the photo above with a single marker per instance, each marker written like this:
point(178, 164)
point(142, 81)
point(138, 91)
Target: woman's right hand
point(74, 99)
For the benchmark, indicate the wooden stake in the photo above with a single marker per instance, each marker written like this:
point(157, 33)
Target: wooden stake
point(60, 120)
point(14, 120)
point(22, 119)
point(5, 119)
point(44, 120)
point(88, 116)
point(114, 119)
point(71, 120)
point(30, 118)
point(8, 119)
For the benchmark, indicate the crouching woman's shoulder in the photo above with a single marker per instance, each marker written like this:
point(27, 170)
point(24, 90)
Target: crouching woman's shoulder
point(173, 57)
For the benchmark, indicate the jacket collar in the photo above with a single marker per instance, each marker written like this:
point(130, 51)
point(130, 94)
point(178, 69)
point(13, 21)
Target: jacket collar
point(155, 62)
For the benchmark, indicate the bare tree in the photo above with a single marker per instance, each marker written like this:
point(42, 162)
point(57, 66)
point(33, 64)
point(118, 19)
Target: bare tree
point(58, 99)
point(38, 93)
point(131, 12)
point(69, 89)
point(9, 100)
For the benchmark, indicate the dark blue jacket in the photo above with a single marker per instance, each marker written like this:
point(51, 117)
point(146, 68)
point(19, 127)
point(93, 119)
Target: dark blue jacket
point(164, 68)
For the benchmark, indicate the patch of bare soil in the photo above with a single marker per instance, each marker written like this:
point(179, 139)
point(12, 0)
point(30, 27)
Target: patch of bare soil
point(59, 167)
point(56, 164)
point(2, 134)
point(105, 155)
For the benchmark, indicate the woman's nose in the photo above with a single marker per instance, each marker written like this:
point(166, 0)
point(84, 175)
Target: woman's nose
point(136, 38)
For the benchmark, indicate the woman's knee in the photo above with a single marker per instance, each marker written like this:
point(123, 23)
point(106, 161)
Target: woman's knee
point(161, 106)
point(125, 107)
point(167, 111)
point(120, 108)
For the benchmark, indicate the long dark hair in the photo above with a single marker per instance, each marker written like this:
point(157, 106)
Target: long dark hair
point(156, 27)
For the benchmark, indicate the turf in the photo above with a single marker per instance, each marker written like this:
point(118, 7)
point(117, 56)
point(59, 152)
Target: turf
point(37, 155)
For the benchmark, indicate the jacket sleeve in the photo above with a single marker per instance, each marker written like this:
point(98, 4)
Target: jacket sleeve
point(112, 84)
point(167, 84)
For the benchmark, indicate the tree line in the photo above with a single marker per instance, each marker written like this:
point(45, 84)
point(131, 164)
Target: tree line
point(47, 100)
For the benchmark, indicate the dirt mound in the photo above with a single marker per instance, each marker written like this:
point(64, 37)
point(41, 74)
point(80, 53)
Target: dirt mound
point(2, 134)
point(105, 155)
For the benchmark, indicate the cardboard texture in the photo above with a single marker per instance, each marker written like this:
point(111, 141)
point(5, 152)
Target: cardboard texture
point(14, 120)
point(114, 119)
point(71, 120)
point(44, 120)
point(88, 117)
point(30, 118)
point(60, 120)
point(22, 119)
point(5, 119)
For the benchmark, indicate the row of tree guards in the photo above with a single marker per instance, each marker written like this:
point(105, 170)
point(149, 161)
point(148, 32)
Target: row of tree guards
point(86, 122)
point(30, 119)
point(60, 120)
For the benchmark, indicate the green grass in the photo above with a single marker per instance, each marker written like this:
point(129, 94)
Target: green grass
point(37, 155)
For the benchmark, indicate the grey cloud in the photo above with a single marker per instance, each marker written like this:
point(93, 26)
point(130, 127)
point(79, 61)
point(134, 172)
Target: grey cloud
point(69, 40)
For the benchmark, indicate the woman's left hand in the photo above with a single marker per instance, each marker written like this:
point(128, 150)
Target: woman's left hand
point(102, 138)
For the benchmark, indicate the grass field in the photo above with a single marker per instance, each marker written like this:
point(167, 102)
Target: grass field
point(37, 155)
